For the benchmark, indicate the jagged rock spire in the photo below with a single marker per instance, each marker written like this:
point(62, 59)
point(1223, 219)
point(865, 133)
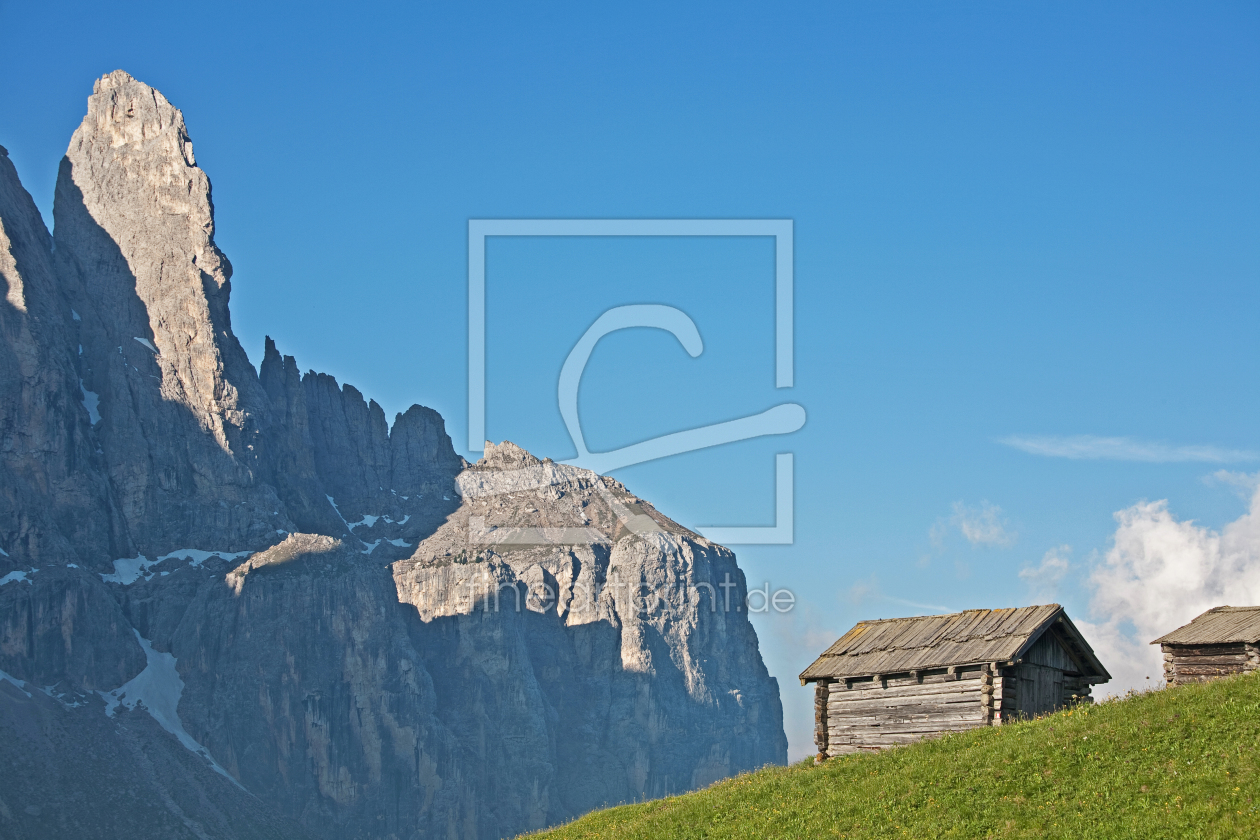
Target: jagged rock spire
point(181, 406)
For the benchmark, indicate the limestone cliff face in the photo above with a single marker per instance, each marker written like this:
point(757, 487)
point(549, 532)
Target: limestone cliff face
point(340, 469)
point(635, 632)
point(243, 604)
point(54, 504)
point(73, 772)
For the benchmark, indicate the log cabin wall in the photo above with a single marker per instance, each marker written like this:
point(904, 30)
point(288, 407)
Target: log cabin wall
point(1045, 681)
point(822, 692)
point(1076, 689)
point(1203, 663)
point(869, 714)
point(1004, 708)
point(864, 714)
point(1044, 690)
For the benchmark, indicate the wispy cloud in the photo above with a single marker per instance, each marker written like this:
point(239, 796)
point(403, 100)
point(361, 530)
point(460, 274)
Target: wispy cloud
point(864, 590)
point(1094, 447)
point(980, 524)
point(1244, 484)
point(1043, 580)
point(936, 608)
point(869, 590)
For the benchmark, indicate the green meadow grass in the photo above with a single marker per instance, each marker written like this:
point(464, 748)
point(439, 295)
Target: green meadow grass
point(1177, 763)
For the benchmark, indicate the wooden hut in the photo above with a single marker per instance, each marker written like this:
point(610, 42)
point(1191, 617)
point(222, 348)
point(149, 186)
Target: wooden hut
point(1222, 641)
point(898, 680)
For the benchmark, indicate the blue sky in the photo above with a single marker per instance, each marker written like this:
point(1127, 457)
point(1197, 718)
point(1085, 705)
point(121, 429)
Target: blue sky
point(1011, 221)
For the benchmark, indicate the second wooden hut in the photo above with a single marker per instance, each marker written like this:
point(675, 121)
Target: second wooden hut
point(1218, 643)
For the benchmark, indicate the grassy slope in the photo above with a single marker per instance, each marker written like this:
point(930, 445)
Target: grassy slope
point(1178, 763)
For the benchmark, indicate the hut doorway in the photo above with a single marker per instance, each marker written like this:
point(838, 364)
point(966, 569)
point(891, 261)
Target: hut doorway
point(1039, 690)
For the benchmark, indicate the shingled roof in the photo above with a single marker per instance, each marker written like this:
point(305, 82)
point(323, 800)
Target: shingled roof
point(900, 645)
point(1219, 625)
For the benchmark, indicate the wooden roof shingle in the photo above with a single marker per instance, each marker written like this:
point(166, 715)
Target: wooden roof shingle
point(1219, 625)
point(900, 645)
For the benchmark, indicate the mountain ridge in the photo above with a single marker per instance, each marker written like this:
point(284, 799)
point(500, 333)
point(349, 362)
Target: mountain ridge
point(316, 599)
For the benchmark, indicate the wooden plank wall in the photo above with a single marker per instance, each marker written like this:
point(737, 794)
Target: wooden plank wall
point(1076, 690)
point(1009, 705)
point(864, 714)
point(869, 714)
point(1004, 696)
point(1046, 680)
point(1049, 653)
point(822, 690)
point(1204, 663)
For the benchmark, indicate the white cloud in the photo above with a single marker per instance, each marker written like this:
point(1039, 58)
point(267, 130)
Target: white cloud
point(938, 531)
point(1093, 447)
point(1159, 573)
point(1244, 484)
point(1044, 579)
point(980, 525)
point(863, 590)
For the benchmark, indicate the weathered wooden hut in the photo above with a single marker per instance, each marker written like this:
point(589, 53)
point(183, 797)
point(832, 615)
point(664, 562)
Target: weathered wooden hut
point(1220, 642)
point(898, 680)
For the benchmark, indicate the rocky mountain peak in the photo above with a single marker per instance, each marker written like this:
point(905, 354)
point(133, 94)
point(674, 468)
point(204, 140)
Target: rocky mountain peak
point(506, 456)
point(180, 408)
point(129, 112)
point(130, 166)
point(118, 78)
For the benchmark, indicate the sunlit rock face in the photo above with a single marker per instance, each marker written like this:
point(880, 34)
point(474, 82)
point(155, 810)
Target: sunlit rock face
point(240, 603)
point(180, 406)
point(631, 635)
